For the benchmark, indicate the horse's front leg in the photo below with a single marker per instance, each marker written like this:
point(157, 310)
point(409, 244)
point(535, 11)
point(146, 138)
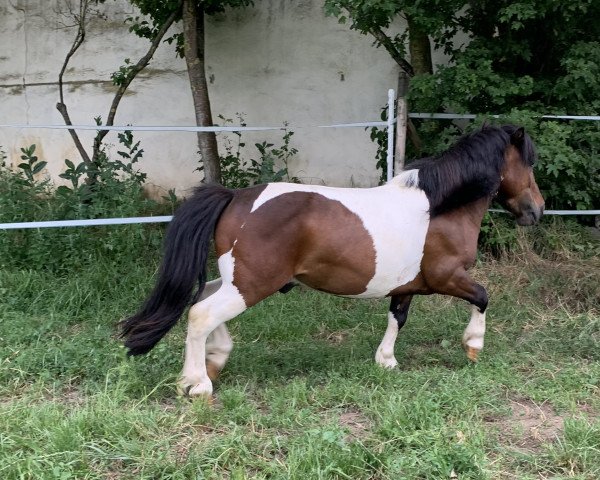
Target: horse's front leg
point(461, 285)
point(396, 319)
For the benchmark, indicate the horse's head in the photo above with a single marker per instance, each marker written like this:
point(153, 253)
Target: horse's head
point(518, 191)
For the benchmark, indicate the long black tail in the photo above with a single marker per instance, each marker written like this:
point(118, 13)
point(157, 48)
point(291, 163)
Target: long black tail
point(185, 254)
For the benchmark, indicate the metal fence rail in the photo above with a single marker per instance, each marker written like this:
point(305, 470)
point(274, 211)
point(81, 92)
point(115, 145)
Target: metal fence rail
point(389, 124)
point(168, 218)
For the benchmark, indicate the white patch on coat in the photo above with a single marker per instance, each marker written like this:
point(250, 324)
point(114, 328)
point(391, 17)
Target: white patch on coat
point(396, 217)
point(385, 353)
point(218, 346)
point(407, 178)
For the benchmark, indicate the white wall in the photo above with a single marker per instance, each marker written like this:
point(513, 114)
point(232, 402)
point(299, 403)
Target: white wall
point(281, 60)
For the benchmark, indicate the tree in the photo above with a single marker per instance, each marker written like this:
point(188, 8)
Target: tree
point(427, 18)
point(521, 60)
point(191, 46)
point(423, 19)
point(79, 16)
point(525, 60)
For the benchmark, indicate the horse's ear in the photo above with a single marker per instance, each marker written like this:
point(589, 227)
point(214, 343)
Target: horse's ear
point(518, 137)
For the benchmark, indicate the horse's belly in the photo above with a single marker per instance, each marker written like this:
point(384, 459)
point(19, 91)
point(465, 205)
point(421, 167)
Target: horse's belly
point(393, 272)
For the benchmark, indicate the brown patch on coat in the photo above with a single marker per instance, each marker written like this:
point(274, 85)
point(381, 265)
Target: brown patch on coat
point(212, 370)
point(297, 234)
point(450, 250)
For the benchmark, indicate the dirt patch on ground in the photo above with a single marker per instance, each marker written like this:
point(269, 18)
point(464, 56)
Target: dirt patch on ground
point(335, 338)
point(529, 426)
point(355, 423)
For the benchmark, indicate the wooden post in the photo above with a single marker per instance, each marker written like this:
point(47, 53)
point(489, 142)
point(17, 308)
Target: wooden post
point(402, 115)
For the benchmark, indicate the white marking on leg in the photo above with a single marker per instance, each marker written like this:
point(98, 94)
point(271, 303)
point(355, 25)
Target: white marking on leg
point(210, 288)
point(218, 346)
point(219, 343)
point(205, 317)
point(385, 353)
point(395, 215)
point(475, 331)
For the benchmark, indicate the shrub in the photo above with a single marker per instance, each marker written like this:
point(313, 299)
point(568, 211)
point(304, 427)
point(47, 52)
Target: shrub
point(116, 192)
point(270, 166)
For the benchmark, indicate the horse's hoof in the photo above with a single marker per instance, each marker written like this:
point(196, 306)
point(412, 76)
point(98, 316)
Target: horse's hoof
point(387, 363)
point(205, 398)
point(472, 353)
point(212, 370)
point(196, 392)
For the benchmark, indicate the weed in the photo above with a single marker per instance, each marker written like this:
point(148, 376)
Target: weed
point(271, 166)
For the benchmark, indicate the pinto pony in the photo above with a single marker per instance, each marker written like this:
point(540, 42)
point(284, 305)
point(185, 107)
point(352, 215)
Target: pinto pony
point(415, 235)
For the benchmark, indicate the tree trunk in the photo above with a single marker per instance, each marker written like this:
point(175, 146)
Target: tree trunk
point(420, 49)
point(420, 59)
point(193, 38)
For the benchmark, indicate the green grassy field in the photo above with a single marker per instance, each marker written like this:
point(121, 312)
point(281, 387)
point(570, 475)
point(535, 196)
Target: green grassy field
point(301, 397)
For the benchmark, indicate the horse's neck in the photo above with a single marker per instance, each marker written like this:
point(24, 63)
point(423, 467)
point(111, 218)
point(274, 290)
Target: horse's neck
point(478, 210)
point(473, 212)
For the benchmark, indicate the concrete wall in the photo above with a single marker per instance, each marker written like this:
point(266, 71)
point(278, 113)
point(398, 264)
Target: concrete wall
point(281, 60)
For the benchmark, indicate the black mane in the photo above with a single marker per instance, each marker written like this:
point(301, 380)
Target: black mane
point(470, 169)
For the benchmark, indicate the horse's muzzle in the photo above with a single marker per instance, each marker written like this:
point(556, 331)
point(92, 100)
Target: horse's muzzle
point(531, 215)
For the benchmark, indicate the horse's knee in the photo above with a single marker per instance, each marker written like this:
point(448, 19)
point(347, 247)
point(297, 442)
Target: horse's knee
point(480, 298)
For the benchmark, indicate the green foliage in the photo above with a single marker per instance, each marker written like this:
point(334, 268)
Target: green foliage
point(270, 166)
point(524, 60)
point(122, 76)
point(521, 60)
point(116, 192)
point(156, 12)
point(31, 166)
point(380, 137)
point(569, 169)
point(497, 235)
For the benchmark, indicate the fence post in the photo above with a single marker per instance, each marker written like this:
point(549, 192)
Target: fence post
point(390, 135)
point(402, 116)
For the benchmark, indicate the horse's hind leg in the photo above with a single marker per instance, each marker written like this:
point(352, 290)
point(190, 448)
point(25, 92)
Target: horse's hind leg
point(218, 343)
point(205, 317)
point(396, 319)
point(218, 347)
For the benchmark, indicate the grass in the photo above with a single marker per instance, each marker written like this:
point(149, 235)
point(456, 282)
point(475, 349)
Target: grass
point(301, 397)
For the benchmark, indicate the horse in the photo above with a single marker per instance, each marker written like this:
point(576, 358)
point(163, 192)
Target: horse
point(415, 235)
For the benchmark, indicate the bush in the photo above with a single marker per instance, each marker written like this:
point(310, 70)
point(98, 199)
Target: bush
point(116, 192)
point(271, 165)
